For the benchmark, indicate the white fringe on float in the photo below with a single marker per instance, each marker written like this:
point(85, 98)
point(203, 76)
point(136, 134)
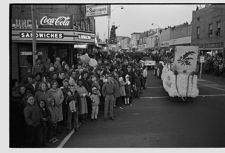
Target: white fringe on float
point(180, 85)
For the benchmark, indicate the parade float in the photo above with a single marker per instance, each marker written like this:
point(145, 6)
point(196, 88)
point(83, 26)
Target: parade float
point(179, 77)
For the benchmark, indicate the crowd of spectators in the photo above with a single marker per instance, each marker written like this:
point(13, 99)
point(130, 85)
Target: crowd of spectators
point(58, 97)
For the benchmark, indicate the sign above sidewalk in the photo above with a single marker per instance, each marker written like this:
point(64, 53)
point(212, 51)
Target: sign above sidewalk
point(55, 20)
point(97, 10)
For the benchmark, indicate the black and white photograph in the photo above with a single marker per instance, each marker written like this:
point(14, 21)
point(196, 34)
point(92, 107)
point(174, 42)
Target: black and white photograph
point(116, 75)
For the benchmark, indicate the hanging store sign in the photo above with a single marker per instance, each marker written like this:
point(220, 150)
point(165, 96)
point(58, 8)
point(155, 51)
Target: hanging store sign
point(58, 21)
point(82, 46)
point(97, 10)
point(84, 37)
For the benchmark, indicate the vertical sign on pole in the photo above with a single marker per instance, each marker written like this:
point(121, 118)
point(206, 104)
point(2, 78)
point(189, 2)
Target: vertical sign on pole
point(33, 34)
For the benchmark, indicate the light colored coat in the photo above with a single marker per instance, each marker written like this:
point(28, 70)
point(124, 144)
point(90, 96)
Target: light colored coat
point(58, 96)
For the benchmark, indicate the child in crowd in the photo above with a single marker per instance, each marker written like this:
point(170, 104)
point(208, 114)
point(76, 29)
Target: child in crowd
point(95, 98)
point(128, 90)
point(45, 117)
point(53, 120)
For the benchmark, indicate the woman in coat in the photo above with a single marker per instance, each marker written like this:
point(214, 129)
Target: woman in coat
point(58, 96)
point(82, 91)
point(42, 94)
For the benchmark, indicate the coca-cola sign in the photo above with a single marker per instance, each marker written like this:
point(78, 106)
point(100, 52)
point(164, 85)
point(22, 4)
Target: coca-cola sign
point(58, 21)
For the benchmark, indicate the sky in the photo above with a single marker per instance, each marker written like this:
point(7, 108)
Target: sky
point(139, 18)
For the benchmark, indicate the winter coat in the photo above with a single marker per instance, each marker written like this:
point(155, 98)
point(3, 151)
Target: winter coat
point(32, 115)
point(58, 95)
point(82, 91)
point(54, 113)
point(40, 95)
point(45, 114)
point(122, 88)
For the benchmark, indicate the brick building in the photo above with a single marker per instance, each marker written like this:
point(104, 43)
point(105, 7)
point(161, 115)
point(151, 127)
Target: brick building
point(60, 29)
point(208, 28)
point(164, 38)
point(180, 35)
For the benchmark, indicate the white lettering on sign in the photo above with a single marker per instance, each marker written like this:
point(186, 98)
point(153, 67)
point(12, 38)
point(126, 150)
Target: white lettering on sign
point(86, 37)
point(80, 46)
point(60, 21)
point(22, 24)
point(42, 35)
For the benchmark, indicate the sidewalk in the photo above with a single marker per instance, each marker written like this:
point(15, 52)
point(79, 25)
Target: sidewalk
point(212, 78)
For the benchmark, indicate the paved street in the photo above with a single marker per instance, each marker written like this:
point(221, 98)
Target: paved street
point(154, 121)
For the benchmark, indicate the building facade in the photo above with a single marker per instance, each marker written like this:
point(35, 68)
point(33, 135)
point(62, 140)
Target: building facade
point(180, 35)
point(60, 31)
point(208, 28)
point(164, 38)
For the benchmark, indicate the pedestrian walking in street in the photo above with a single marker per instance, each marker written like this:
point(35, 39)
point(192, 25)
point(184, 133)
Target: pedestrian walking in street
point(95, 98)
point(145, 75)
point(109, 92)
point(32, 117)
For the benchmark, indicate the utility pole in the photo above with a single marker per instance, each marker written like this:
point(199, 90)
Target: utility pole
point(34, 47)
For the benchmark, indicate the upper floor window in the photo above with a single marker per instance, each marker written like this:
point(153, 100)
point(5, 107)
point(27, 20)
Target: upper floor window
point(198, 18)
point(198, 32)
point(210, 30)
point(218, 28)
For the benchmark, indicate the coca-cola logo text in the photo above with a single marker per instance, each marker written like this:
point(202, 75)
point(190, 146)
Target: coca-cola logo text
point(59, 21)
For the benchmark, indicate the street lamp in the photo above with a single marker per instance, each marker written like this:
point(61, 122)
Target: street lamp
point(109, 17)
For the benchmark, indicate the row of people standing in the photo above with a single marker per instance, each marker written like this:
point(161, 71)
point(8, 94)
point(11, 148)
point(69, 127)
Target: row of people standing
point(66, 99)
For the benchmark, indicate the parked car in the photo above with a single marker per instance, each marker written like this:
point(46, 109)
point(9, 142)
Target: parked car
point(148, 61)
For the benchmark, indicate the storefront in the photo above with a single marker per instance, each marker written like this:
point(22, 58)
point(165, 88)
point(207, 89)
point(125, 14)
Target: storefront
point(56, 36)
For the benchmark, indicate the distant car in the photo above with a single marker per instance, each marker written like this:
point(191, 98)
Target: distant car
point(148, 61)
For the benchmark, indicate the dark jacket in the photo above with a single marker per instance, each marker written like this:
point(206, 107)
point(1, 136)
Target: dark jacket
point(32, 115)
point(109, 89)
